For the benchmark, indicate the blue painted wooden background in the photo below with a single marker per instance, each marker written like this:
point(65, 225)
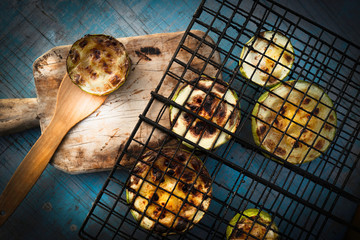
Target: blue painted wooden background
point(57, 205)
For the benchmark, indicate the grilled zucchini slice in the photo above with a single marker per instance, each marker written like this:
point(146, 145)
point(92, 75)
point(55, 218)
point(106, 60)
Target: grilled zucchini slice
point(252, 224)
point(176, 183)
point(304, 113)
point(98, 64)
point(273, 55)
point(207, 105)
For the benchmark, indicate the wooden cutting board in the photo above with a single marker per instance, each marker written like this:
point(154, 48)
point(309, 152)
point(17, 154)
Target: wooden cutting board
point(95, 143)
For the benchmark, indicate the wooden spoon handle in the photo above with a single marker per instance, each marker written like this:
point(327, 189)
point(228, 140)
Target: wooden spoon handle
point(31, 168)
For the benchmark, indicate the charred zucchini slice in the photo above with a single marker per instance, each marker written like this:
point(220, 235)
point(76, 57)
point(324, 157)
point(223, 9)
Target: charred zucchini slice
point(252, 224)
point(296, 124)
point(98, 64)
point(176, 183)
point(273, 55)
point(207, 105)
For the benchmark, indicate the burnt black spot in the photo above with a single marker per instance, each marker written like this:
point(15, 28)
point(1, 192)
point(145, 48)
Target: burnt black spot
point(138, 169)
point(162, 215)
point(156, 173)
point(208, 103)
point(181, 158)
point(266, 70)
point(77, 78)
point(195, 192)
point(99, 40)
point(192, 107)
point(196, 165)
point(261, 130)
point(170, 164)
point(280, 151)
point(181, 224)
point(83, 43)
point(188, 118)
point(316, 111)
point(171, 172)
point(96, 53)
point(327, 127)
point(307, 101)
point(150, 50)
point(221, 111)
point(75, 56)
point(160, 228)
point(142, 55)
point(188, 176)
point(288, 57)
point(155, 198)
point(211, 129)
point(276, 121)
point(115, 80)
point(185, 187)
point(199, 127)
point(320, 144)
point(282, 110)
point(297, 145)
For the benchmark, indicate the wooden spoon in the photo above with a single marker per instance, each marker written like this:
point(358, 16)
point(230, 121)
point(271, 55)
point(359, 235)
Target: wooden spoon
point(72, 106)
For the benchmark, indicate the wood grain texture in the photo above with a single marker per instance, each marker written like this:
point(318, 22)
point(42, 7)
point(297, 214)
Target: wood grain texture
point(94, 144)
point(72, 106)
point(17, 115)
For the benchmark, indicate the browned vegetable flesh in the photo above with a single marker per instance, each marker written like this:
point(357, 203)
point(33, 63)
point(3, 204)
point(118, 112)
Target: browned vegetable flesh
point(205, 101)
point(249, 228)
point(299, 128)
point(98, 64)
point(267, 59)
point(176, 183)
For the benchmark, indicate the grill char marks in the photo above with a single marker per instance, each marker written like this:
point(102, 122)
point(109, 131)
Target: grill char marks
point(184, 167)
point(208, 101)
point(99, 60)
point(301, 130)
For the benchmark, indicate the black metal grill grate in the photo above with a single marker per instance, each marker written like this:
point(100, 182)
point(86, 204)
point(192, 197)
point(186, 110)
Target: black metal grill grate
point(307, 201)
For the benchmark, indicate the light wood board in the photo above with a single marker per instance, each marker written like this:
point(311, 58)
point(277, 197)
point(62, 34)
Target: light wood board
point(95, 143)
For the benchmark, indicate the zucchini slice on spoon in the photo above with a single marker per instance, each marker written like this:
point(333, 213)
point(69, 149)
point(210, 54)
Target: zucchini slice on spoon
point(98, 64)
point(252, 224)
point(299, 129)
point(273, 55)
point(207, 105)
point(176, 183)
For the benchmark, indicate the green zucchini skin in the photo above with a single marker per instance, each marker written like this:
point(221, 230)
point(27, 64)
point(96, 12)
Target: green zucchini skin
point(242, 226)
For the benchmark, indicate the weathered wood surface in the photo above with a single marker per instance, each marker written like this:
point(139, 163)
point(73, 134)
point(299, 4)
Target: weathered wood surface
point(94, 143)
point(58, 204)
point(18, 115)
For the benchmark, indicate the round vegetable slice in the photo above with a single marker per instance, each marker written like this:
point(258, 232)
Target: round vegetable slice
point(273, 55)
point(207, 105)
point(176, 183)
point(252, 224)
point(98, 64)
point(296, 124)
